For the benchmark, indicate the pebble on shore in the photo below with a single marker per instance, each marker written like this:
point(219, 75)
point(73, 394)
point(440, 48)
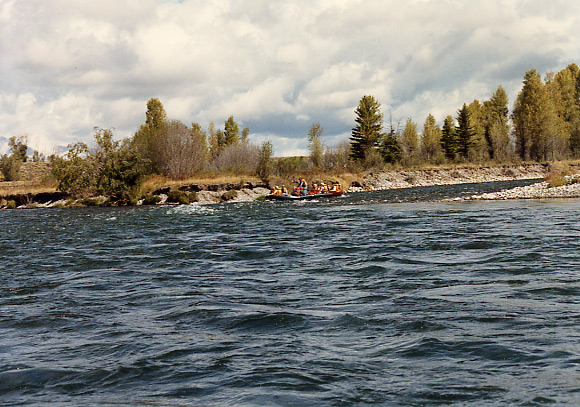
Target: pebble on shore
point(535, 191)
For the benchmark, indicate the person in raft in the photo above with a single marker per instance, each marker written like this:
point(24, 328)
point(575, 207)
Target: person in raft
point(303, 186)
point(284, 190)
point(295, 192)
point(336, 188)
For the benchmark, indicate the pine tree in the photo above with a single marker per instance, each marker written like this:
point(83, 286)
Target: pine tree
point(464, 131)
point(391, 149)
point(245, 135)
point(496, 125)
point(368, 132)
point(231, 132)
point(448, 138)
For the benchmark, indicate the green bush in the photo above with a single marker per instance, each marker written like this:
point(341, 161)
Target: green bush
point(556, 179)
point(10, 167)
point(92, 201)
point(151, 200)
point(181, 197)
point(11, 204)
point(112, 169)
point(229, 195)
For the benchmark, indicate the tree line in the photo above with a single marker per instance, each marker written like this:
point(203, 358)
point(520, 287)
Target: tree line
point(544, 125)
point(160, 146)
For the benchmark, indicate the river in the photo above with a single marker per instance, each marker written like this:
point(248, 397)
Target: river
point(379, 298)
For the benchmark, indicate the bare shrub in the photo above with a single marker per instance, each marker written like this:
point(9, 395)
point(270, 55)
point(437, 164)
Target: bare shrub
point(239, 158)
point(183, 151)
point(336, 158)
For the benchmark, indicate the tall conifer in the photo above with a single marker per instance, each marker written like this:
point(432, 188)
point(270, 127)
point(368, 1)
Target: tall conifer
point(448, 139)
point(464, 131)
point(368, 132)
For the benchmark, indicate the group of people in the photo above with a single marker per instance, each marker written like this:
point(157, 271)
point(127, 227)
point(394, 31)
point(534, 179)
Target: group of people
point(302, 189)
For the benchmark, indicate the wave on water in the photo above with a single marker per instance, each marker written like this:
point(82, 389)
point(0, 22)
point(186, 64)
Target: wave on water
point(359, 301)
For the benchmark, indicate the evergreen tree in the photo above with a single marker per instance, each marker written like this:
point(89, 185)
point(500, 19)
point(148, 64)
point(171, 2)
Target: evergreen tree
point(245, 135)
point(464, 131)
point(368, 132)
point(448, 138)
point(497, 126)
point(221, 139)
point(231, 132)
point(391, 149)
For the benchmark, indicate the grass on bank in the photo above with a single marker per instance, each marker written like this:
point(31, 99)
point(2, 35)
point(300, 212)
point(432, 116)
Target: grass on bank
point(559, 171)
point(21, 188)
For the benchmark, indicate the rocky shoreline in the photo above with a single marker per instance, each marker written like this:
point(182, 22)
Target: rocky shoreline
point(446, 176)
point(396, 179)
point(467, 175)
point(541, 190)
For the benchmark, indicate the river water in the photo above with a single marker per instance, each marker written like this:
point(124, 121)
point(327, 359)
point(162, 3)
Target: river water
point(379, 298)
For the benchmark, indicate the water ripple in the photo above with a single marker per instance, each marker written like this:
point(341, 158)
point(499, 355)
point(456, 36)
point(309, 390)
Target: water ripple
point(361, 301)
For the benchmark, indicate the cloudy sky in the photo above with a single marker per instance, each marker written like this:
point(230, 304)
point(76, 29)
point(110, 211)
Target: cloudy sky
point(277, 66)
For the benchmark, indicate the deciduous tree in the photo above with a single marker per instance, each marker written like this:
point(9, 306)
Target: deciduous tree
point(112, 168)
point(264, 167)
point(149, 139)
point(431, 140)
point(410, 140)
point(315, 144)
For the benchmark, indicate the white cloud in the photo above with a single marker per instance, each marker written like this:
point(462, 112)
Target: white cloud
point(276, 66)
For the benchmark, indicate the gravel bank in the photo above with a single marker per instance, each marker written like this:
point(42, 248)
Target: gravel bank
point(540, 190)
point(242, 195)
point(466, 175)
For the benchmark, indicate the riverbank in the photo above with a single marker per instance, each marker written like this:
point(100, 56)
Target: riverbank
point(394, 179)
point(449, 176)
point(541, 190)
